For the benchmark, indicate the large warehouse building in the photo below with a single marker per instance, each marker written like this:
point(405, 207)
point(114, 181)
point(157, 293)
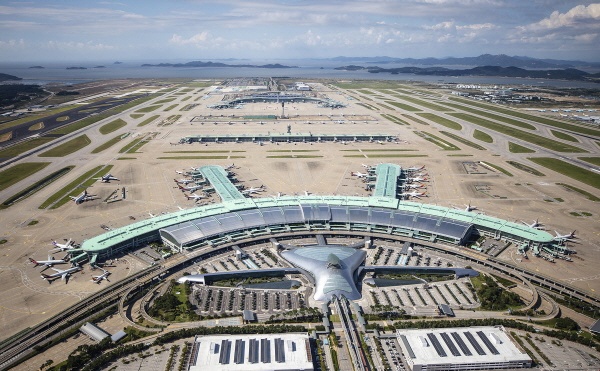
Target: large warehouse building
point(464, 348)
point(284, 352)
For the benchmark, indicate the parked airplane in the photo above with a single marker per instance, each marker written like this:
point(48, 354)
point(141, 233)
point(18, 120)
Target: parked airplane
point(151, 215)
point(195, 197)
point(359, 174)
point(47, 263)
point(253, 190)
point(183, 181)
point(418, 179)
point(63, 246)
point(103, 276)
point(536, 224)
point(232, 166)
point(413, 194)
point(564, 237)
point(414, 186)
point(64, 275)
point(107, 178)
point(470, 208)
point(189, 189)
point(414, 168)
point(83, 197)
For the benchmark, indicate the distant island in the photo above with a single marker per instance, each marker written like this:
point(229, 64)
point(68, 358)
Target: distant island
point(7, 77)
point(100, 67)
point(77, 68)
point(37, 67)
point(213, 64)
point(562, 74)
point(117, 62)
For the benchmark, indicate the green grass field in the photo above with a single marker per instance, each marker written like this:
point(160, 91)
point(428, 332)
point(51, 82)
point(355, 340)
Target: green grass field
point(170, 107)
point(107, 144)
point(586, 194)
point(403, 106)
point(484, 137)
point(525, 168)
point(148, 120)
point(523, 135)
point(441, 120)
point(541, 120)
point(415, 119)
point(199, 157)
point(423, 103)
point(75, 188)
point(443, 144)
point(19, 172)
point(163, 101)
point(35, 187)
point(462, 140)
point(394, 119)
point(112, 126)
point(69, 147)
point(136, 115)
point(516, 148)
point(506, 120)
point(24, 147)
point(148, 109)
point(564, 136)
point(585, 176)
point(500, 169)
point(591, 160)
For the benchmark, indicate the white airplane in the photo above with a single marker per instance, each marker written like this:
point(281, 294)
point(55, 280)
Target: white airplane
point(189, 189)
point(418, 179)
point(232, 166)
point(469, 208)
point(307, 193)
point(359, 174)
point(47, 263)
point(413, 194)
point(151, 215)
point(180, 172)
point(536, 224)
point(63, 246)
point(82, 197)
point(195, 197)
point(253, 190)
point(64, 275)
point(414, 186)
point(564, 237)
point(103, 276)
point(183, 181)
point(107, 178)
point(366, 166)
point(414, 168)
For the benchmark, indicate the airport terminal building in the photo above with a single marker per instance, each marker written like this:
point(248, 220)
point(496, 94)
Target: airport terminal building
point(465, 348)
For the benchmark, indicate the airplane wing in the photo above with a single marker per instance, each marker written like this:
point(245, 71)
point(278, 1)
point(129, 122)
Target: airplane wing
point(57, 270)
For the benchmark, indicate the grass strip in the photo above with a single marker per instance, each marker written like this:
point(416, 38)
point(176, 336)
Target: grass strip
point(587, 194)
point(74, 188)
point(107, 144)
point(541, 120)
point(502, 170)
point(517, 148)
point(484, 137)
point(403, 106)
point(492, 116)
point(68, 147)
point(441, 120)
point(148, 120)
point(423, 103)
point(32, 189)
point(523, 135)
point(293, 150)
point(20, 148)
point(580, 174)
point(295, 156)
point(443, 144)
point(149, 109)
point(366, 105)
point(163, 101)
point(394, 119)
point(127, 158)
point(525, 168)
point(170, 107)
point(591, 160)
point(112, 126)
point(462, 140)
point(564, 136)
point(383, 150)
point(134, 145)
point(208, 151)
point(19, 172)
point(389, 155)
point(136, 115)
point(418, 120)
point(198, 157)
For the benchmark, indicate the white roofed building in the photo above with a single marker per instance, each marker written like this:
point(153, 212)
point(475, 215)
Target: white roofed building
point(462, 348)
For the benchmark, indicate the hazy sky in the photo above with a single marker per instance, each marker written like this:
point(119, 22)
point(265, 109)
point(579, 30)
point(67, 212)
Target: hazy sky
point(287, 29)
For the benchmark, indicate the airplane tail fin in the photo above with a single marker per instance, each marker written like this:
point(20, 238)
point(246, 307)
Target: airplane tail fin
point(34, 262)
point(45, 276)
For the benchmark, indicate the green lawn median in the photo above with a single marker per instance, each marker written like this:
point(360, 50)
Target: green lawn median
point(75, 188)
point(585, 176)
point(112, 126)
point(19, 172)
point(68, 147)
